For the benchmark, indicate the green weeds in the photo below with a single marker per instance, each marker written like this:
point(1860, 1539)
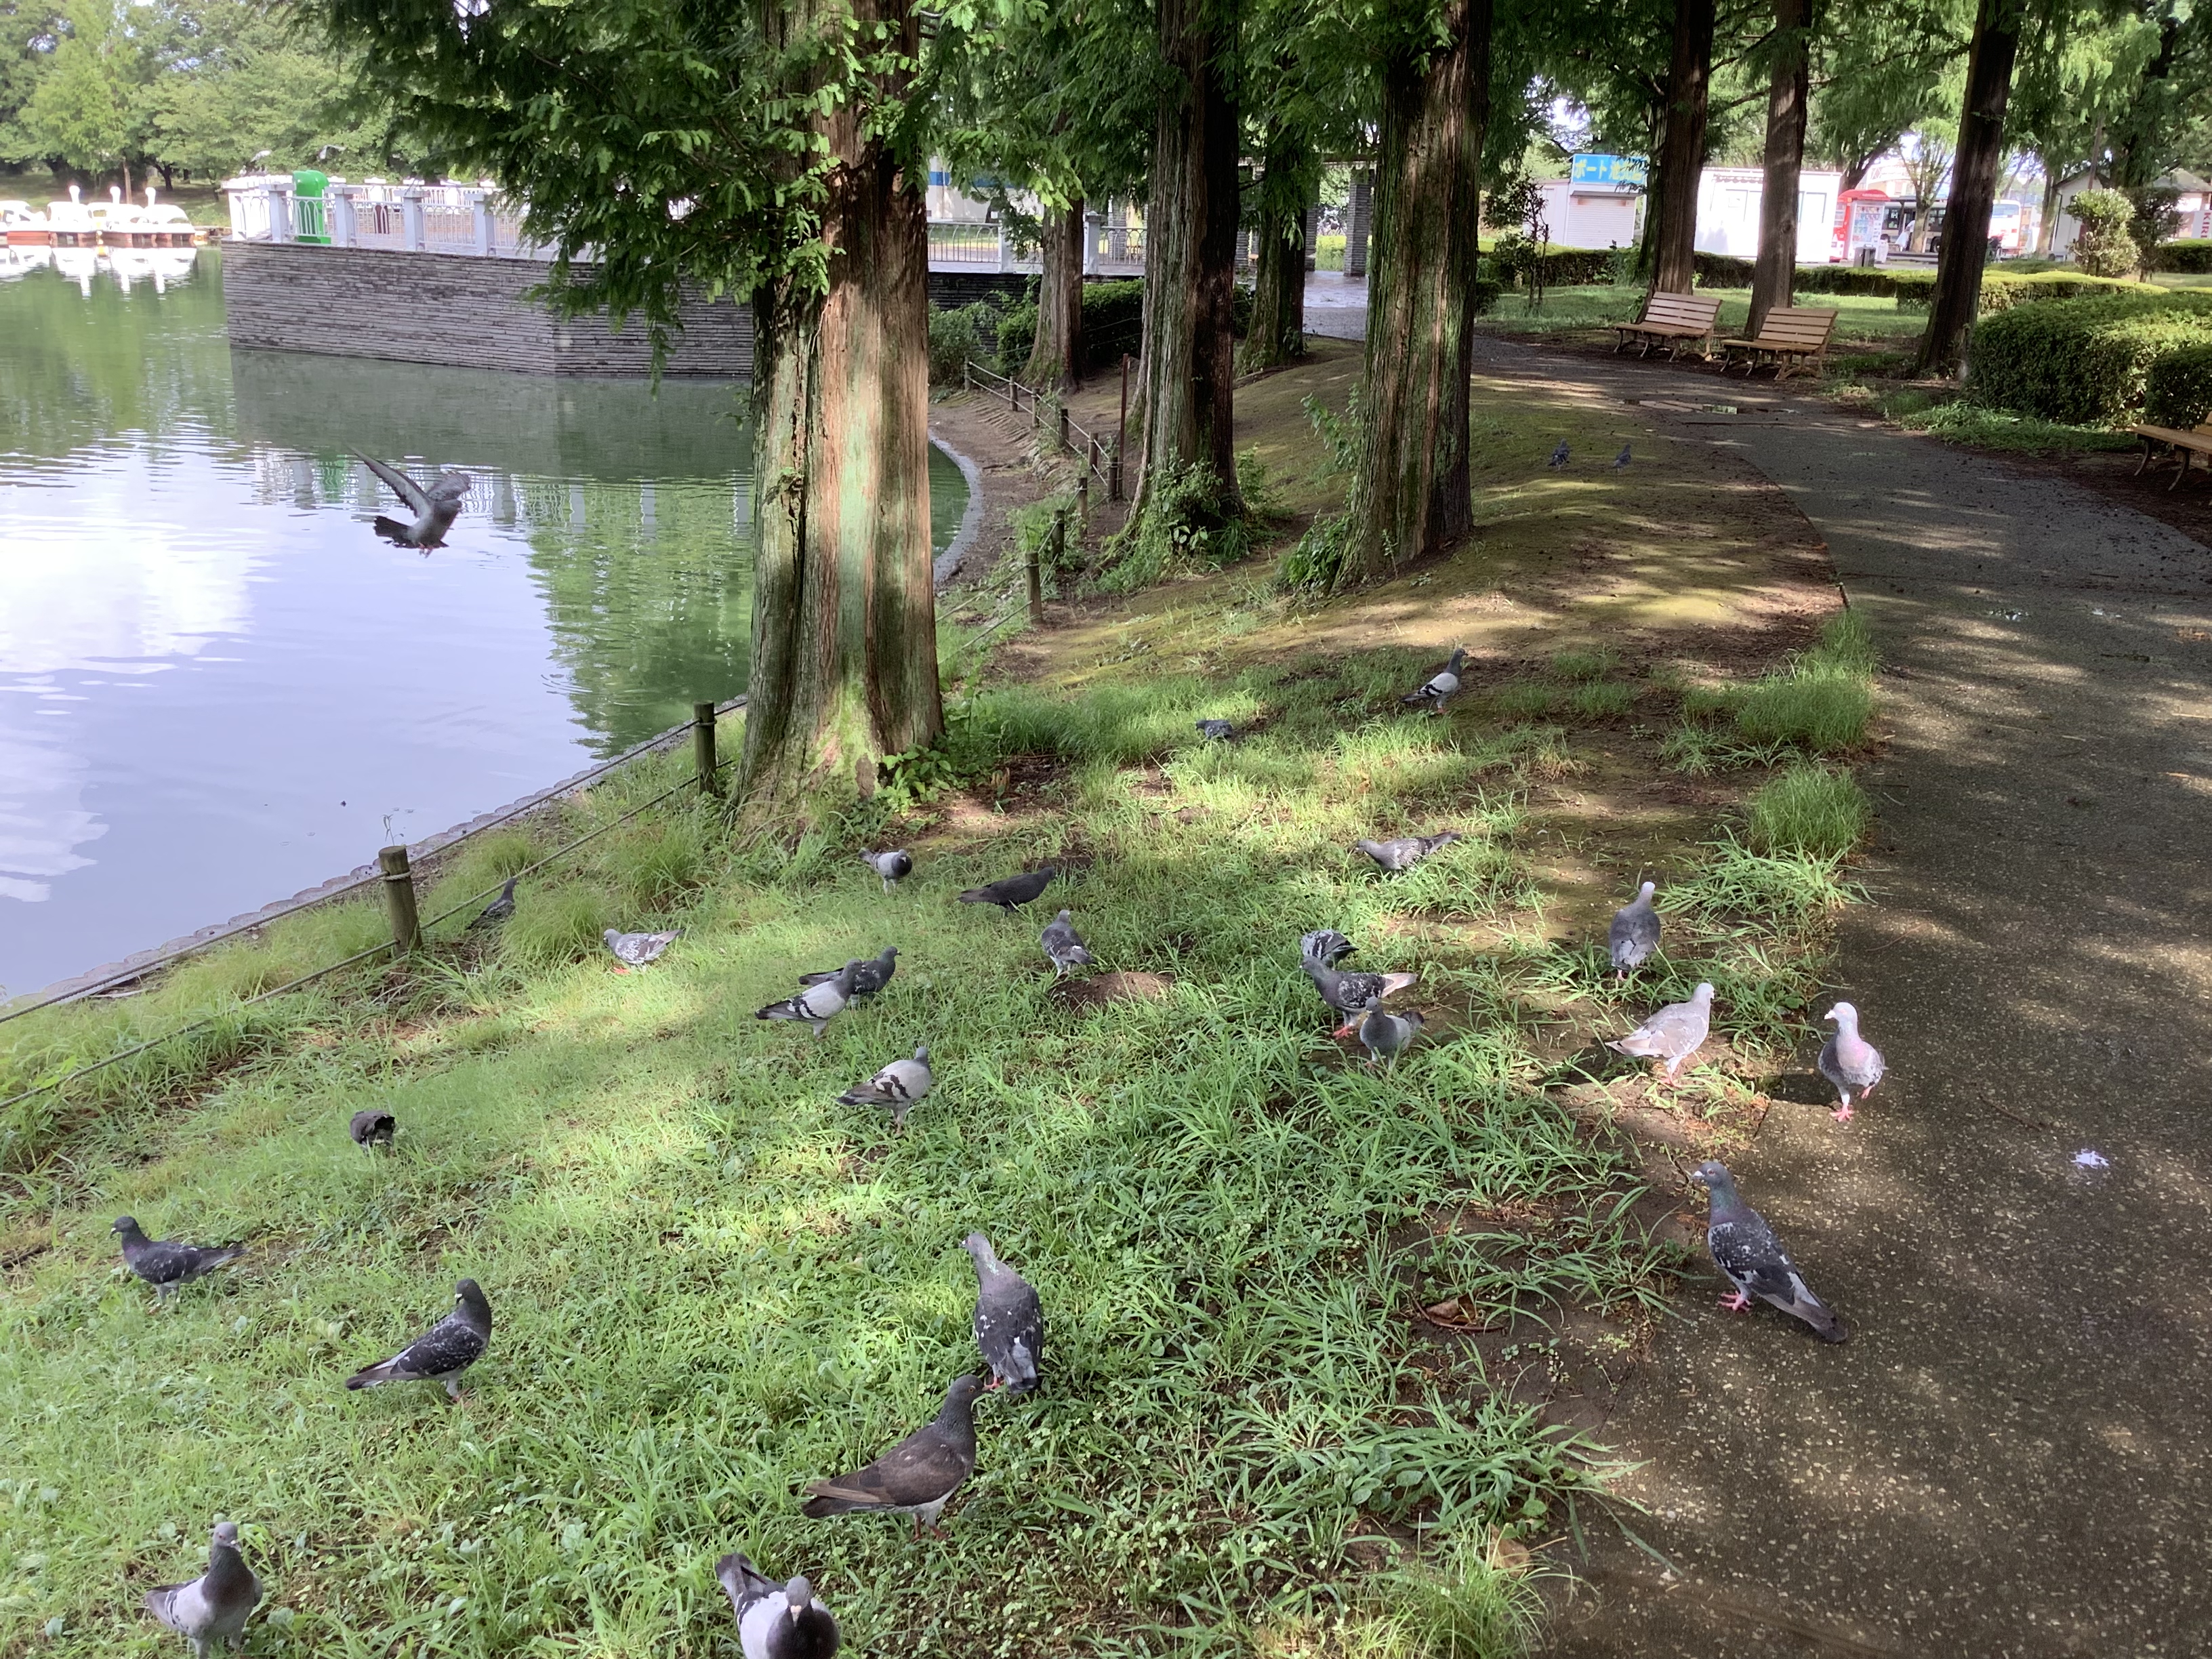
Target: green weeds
point(1810, 809)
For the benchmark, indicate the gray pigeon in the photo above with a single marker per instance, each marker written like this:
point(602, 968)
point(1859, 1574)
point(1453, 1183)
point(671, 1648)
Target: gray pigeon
point(1620, 461)
point(1012, 890)
point(373, 1128)
point(1216, 731)
point(498, 910)
point(441, 1353)
point(1746, 1249)
point(1560, 455)
point(1009, 1319)
point(775, 1621)
point(637, 949)
point(166, 1263)
point(916, 1477)
point(1849, 1060)
point(870, 978)
point(1063, 945)
point(1673, 1034)
point(817, 1004)
point(1350, 993)
point(434, 508)
point(1635, 931)
point(1441, 686)
point(1406, 851)
point(1385, 1036)
point(893, 866)
point(1325, 945)
point(213, 1608)
point(898, 1085)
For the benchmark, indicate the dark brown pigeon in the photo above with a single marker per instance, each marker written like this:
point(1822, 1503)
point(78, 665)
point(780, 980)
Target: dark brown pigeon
point(1012, 890)
point(916, 1477)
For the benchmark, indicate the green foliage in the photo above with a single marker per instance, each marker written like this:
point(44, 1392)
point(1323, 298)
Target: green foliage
point(1822, 702)
point(1459, 1606)
point(2104, 247)
point(1312, 566)
point(1113, 314)
point(1601, 700)
point(1582, 663)
point(561, 924)
point(2003, 290)
point(963, 334)
point(1342, 435)
point(2177, 389)
point(2083, 363)
point(1789, 887)
point(1968, 423)
point(79, 109)
point(1809, 808)
point(2190, 255)
point(1184, 525)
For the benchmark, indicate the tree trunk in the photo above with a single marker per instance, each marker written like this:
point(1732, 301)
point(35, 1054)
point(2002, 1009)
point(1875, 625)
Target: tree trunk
point(1412, 496)
point(1682, 157)
point(844, 634)
point(2047, 228)
point(1278, 334)
point(1056, 359)
point(1973, 187)
point(1774, 275)
point(1855, 171)
point(1190, 257)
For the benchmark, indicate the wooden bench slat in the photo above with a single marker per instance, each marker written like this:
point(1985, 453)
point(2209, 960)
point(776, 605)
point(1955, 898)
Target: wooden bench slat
point(1787, 334)
point(1671, 317)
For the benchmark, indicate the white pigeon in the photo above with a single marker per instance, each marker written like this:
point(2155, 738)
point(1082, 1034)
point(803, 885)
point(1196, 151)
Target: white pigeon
point(638, 950)
point(1673, 1034)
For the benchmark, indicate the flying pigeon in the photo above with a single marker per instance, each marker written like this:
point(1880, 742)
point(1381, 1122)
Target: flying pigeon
point(898, 1085)
point(1635, 931)
point(1350, 993)
point(373, 1128)
point(213, 1608)
point(917, 1476)
point(775, 1621)
point(1063, 945)
point(1325, 945)
point(1673, 1034)
point(434, 508)
point(893, 866)
point(1746, 1249)
point(1560, 455)
point(1406, 851)
point(498, 910)
point(1440, 686)
point(817, 1004)
point(1620, 461)
point(1012, 891)
point(1009, 1319)
point(636, 950)
point(870, 978)
point(1216, 731)
point(1849, 1060)
point(166, 1263)
point(441, 1353)
point(1386, 1035)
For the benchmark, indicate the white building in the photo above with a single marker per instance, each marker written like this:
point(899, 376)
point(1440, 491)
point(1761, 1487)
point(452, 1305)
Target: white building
point(1728, 202)
point(1591, 215)
point(2195, 205)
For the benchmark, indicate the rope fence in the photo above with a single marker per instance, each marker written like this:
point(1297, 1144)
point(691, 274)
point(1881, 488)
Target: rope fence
point(1100, 460)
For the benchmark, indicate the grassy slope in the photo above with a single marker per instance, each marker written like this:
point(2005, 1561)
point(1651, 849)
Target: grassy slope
point(713, 1282)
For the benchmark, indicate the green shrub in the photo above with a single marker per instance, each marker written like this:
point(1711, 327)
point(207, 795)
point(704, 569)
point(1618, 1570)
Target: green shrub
point(1016, 337)
point(2178, 390)
point(2191, 256)
point(2003, 289)
point(1112, 323)
point(1183, 523)
point(1810, 808)
point(1601, 700)
point(960, 335)
point(2081, 361)
point(2104, 247)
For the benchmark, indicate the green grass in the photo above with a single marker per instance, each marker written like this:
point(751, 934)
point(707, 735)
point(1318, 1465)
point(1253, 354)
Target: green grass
point(1809, 808)
point(1864, 317)
point(1822, 701)
point(1995, 429)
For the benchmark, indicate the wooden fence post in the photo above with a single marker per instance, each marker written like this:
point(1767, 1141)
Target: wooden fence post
point(399, 899)
point(702, 748)
point(1036, 576)
point(1063, 426)
point(1083, 491)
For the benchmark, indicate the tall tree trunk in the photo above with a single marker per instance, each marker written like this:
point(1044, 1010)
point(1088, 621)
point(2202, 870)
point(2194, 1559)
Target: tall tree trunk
point(1412, 496)
point(1278, 333)
point(1190, 259)
point(1973, 187)
point(844, 634)
point(1776, 272)
point(1682, 156)
point(1855, 171)
point(2047, 226)
point(1056, 359)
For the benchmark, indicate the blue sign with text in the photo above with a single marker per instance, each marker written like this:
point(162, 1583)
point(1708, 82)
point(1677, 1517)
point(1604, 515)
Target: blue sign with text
point(1626, 170)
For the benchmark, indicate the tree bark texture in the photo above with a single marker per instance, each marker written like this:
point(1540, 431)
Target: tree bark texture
point(1412, 496)
point(1190, 257)
point(1277, 335)
point(1056, 359)
point(1973, 187)
point(1682, 156)
point(1775, 274)
point(844, 633)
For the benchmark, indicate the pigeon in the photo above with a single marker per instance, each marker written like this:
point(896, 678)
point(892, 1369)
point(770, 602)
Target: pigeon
point(1325, 945)
point(870, 978)
point(434, 508)
point(1635, 932)
point(1386, 1035)
point(917, 1476)
point(1441, 685)
point(373, 1128)
point(893, 866)
point(1560, 455)
point(498, 910)
point(1620, 461)
point(898, 1085)
point(1216, 731)
point(1406, 851)
point(775, 1621)
point(441, 1353)
point(166, 1263)
point(1350, 993)
point(817, 1004)
point(1063, 945)
point(1849, 1060)
point(1673, 1034)
point(213, 1608)
point(1746, 1249)
point(1009, 1319)
point(636, 950)
point(1013, 890)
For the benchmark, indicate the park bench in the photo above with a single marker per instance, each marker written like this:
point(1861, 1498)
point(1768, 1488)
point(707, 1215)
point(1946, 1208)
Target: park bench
point(2196, 440)
point(1669, 319)
point(1790, 334)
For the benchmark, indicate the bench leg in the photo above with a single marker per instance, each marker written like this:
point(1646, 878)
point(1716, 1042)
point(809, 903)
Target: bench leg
point(2143, 465)
point(2181, 471)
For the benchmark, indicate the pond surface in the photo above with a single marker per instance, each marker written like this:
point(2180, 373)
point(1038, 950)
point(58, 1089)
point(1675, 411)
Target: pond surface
point(218, 686)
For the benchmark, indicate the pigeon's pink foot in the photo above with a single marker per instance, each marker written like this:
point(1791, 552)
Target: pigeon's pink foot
point(1344, 1031)
point(1735, 1304)
point(620, 969)
point(1842, 1114)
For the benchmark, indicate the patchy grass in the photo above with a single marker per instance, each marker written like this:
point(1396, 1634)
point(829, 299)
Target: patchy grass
point(1809, 808)
point(1946, 416)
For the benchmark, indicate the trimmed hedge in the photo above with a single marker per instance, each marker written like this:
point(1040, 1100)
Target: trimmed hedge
point(2178, 390)
point(1112, 323)
point(2085, 362)
point(2001, 289)
point(2191, 255)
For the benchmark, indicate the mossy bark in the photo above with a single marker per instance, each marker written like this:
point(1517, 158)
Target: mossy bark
point(1682, 149)
point(1787, 90)
point(1056, 359)
point(1974, 168)
point(1277, 334)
